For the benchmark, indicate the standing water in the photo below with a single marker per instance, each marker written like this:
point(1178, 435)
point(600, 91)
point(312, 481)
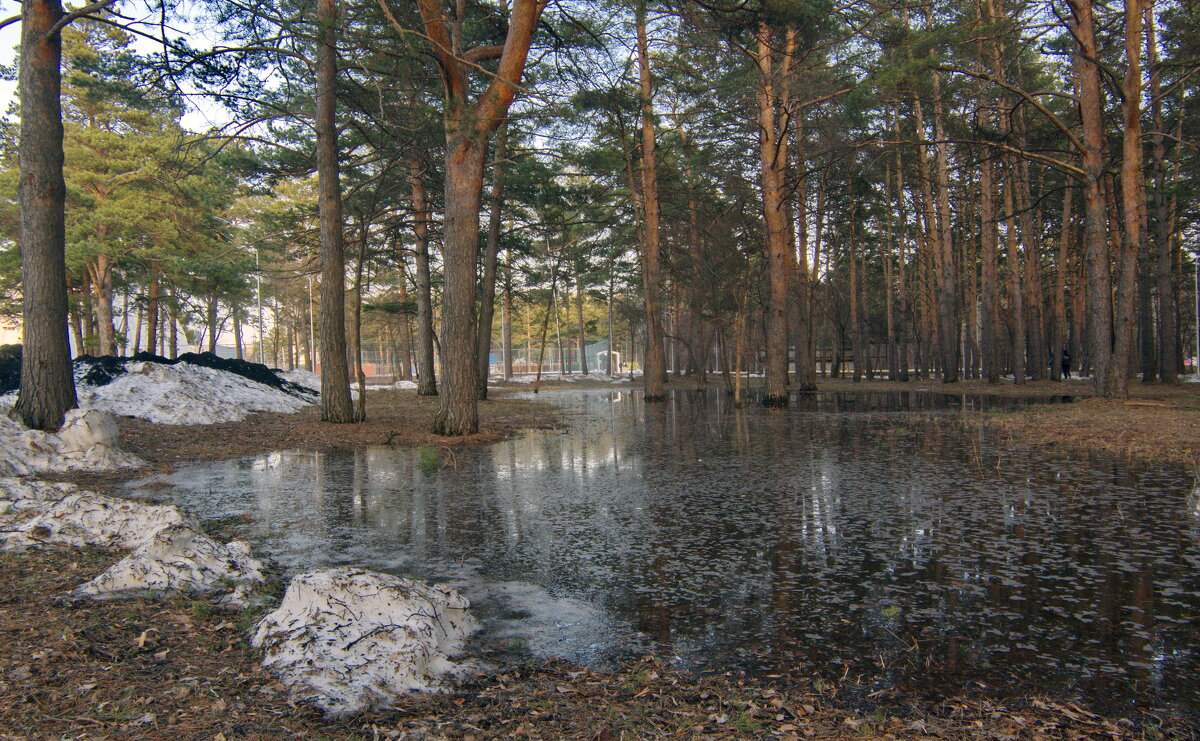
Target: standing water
point(867, 536)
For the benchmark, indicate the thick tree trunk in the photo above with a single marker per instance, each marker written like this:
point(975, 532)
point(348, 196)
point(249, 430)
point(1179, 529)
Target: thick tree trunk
point(1116, 381)
point(468, 127)
point(1168, 359)
point(100, 271)
point(426, 378)
point(457, 412)
point(1099, 279)
point(654, 370)
point(487, 293)
point(947, 270)
point(47, 384)
point(772, 161)
point(336, 405)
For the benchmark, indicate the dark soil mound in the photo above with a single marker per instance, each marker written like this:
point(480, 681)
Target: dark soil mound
point(10, 368)
point(93, 370)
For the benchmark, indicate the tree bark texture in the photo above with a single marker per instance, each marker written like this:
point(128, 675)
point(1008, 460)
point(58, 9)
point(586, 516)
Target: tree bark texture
point(469, 126)
point(335, 373)
point(47, 383)
point(772, 162)
point(426, 378)
point(487, 294)
point(654, 369)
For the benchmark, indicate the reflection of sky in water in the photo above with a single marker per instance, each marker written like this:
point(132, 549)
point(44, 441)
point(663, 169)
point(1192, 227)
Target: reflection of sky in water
point(819, 535)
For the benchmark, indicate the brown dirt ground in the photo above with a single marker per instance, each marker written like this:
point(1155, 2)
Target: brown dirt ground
point(1157, 424)
point(175, 669)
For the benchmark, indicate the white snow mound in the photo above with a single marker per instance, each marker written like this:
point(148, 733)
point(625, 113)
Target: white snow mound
point(87, 441)
point(302, 377)
point(176, 558)
point(81, 518)
point(349, 640)
point(185, 394)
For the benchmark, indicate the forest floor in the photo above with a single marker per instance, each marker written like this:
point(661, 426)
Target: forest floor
point(175, 669)
point(1157, 424)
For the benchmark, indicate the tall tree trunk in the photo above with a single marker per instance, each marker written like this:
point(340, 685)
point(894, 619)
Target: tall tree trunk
point(47, 383)
point(989, 259)
point(405, 328)
point(654, 370)
point(336, 405)
point(100, 271)
point(457, 413)
point(856, 320)
point(1031, 241)
point(772, 162)
point(356, 352)
point(173, 310)
point(506, 318)
point(211, 322)
point(1015, 303)
point(239, 353)
point(487, 294)
point(1059, 328)
point(426, 378)
point(583, 366)
point(1168, 359)
point(468, 127)
point(947, 272)
point(1116, 381)
point(806, 368)
point(152, 312)
point(1099, 279)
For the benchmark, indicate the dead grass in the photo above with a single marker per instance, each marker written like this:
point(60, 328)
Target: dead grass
point(174, 669)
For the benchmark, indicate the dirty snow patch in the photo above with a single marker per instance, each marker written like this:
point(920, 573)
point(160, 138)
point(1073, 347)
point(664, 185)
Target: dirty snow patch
point(176, 558)
point(87, 441)
point(81, 518)
point(186, 394)
point(348, 639)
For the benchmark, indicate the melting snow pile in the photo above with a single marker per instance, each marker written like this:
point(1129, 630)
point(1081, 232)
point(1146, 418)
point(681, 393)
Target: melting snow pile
point(196, 388)
point(87, 441)
point(170, 554)
point(69, 517)
point(349, 639)
point(177, 558)
point(186, 394)
point(303, 378)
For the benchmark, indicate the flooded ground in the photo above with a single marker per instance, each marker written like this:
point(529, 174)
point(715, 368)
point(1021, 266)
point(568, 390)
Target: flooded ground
point(866, 536)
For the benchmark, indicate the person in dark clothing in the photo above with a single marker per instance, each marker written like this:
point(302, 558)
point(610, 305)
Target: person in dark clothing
point(1066, 363)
